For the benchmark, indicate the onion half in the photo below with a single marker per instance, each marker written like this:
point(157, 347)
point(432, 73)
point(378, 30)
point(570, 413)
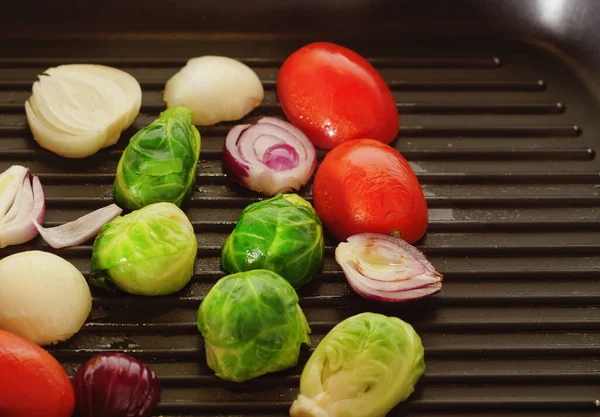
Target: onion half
point(80, 230)
point(21, 203)
point(115, 385)
point(384, 268)
point(215, 89)
point(270, 157)
point(44, 298)
point(76, 110)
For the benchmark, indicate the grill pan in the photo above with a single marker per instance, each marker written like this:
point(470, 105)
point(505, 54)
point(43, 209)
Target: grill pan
point(503, 136)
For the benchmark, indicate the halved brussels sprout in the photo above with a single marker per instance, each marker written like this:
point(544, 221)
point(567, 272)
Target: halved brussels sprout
point(282, 234)
point(252, 325)
point(150, 251)
point(159, 164)
point(364, 367)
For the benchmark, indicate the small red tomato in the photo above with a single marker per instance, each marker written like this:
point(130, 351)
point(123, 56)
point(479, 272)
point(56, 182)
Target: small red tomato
point(334, 95)
point(365, 186)
point(32, 382)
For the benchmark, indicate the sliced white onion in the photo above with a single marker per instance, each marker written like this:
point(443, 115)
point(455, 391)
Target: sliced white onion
point(21, 203)
point(44, 298)
point(270, 157)
point(11, 182)
point(384, 268)
point(59, 142)
point(80, 230)
point(20, 200)
point(76, 110)
point(215, 89)
point(123, 92)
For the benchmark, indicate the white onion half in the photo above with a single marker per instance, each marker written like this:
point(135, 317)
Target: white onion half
point(215, 89)
point(44, 298)
point(271, 156)
point(384, 268)
point(76, 110)
point(21, 203)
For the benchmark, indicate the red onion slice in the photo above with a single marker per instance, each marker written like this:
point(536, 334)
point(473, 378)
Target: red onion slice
point(290, 128)
point(80, 230)
point(31, 207)
point(393, 254)
point(270, 157)
point(384, 268)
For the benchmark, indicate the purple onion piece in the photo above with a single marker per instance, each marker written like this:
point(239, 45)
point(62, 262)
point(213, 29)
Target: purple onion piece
point(270, 157)
point(287, 126)
point(232, 160)
point(80, 230)
point(115, 385)
point(281, 157)
point(387, 269)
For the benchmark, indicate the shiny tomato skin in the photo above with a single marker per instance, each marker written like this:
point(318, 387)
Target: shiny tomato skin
point(32, 382)
point(365, 186)
point(333, 95)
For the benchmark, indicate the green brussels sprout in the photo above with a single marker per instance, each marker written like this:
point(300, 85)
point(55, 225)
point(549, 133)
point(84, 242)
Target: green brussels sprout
point(282, 234)
point(364, 367)
point(252, 325)
point(150, 251)
point(159, 164)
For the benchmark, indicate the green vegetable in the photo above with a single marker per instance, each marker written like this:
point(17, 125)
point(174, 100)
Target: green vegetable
point(252, 325)
point(150, 251)
point(159, 164)
point(282, 234)
point(364, 367)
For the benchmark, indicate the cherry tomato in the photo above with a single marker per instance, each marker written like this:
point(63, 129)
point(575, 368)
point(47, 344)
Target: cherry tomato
point(32, 382)
point(334, 95)
point(365, 186)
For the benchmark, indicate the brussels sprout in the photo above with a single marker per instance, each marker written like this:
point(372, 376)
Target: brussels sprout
point(282, 234)
point(252, 325)
point(159, 164)
point(150, 251)
point(364, 367)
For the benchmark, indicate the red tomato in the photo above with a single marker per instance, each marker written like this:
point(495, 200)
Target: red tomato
point(334, 95)
point(32, 382)
point(364, 186)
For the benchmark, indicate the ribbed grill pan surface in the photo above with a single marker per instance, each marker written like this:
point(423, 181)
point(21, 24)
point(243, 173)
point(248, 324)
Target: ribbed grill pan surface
point(503, 139)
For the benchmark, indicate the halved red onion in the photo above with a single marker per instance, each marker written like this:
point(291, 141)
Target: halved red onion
point(384, 268)
point(21, 202)
point(270, 157)
point(115, 385)
point(80, 230)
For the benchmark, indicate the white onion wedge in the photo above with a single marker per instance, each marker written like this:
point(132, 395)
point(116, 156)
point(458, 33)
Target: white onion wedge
point(76, 110)
point(116, 86)
point(11, 182)
point(80, 230)
point(63, 144)
point(384, 268)
point(26, 206)
point(75, 104)
point(131, 88)
point(215, 89)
